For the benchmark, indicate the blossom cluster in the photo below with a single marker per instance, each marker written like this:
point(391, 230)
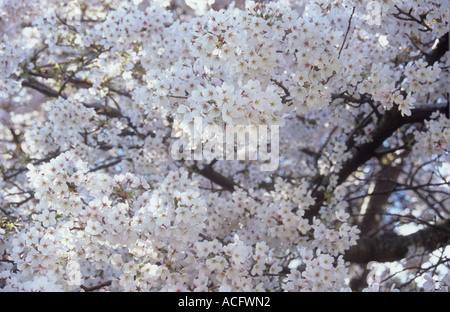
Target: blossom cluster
point(123, 229)
point(11, 54)
point(434, 141)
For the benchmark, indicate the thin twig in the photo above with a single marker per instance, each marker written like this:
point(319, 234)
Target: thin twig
point(346, 33)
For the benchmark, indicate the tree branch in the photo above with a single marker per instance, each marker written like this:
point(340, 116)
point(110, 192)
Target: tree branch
point(382, 190)
point(107, 283)
point(41, 88)
point(348, 30)
point(389, 123)
point(438, 51)
point(209, 173)
point(387, 248)
point(99, 108)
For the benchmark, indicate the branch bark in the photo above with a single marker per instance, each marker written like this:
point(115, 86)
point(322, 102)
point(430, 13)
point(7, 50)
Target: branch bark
point(96, 287)
point(388, 248)
point(389, 123)
point(219, 179)
point(441, 48)
point(99, 108)
point(382, 190)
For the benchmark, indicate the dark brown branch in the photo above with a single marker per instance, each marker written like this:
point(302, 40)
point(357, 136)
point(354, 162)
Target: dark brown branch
point(388, 248)
point(41, 88)
point(441, 48)
point(348, 30)
point(389, 123)
point(99, 108)
point(17, 204)
point(407, 16)
point(399, 189)
point(382, 190)
point(107, 165)
point(219, 179)
point(96, 287)
point(105, 110)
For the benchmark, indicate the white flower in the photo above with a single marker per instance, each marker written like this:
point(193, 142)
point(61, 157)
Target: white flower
point(430, 283)
point(325, 261)
point(341, 215)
